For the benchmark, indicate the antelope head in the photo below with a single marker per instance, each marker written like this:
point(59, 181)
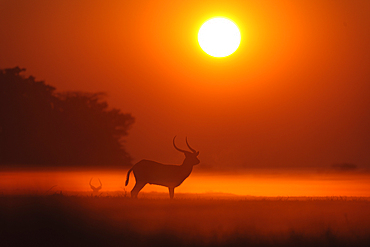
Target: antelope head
point(190, 157)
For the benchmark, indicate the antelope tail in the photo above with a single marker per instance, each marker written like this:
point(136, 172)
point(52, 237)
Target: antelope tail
point(128, 176)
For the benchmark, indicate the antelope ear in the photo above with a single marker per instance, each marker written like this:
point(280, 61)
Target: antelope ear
point(197, 153)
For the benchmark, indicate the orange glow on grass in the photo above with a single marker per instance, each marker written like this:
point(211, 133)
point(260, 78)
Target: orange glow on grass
point(253, 184)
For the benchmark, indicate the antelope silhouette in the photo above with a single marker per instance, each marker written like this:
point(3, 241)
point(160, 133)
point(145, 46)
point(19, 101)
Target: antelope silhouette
point(95, 189)
point(171, 176)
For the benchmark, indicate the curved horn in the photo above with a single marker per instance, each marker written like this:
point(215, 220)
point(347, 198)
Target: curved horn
point(178, 149)
point(91, 186)
point(193, 150)
point(101, 185)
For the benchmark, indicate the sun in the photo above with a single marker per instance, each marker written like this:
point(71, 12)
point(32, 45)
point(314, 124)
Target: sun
point(219, 37)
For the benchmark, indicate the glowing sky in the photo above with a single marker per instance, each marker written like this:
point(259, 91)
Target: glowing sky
point(296, 94)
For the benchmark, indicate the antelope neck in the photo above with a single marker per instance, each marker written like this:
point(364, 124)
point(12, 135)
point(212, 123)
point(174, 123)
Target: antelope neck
point(187, 163)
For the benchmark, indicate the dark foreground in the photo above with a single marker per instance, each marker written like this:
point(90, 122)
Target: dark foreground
point(118, 221)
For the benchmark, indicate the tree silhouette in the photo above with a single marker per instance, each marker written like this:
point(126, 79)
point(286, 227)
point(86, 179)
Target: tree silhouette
point(43, 127)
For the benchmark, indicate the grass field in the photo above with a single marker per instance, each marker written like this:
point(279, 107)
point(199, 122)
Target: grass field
point(58, 220)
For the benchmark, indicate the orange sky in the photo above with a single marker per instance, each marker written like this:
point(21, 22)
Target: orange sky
point(295, 94)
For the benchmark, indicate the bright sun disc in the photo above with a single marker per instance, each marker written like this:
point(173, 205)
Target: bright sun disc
point(219, 37)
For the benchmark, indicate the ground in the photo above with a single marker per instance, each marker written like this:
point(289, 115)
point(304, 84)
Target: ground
point(59, 220)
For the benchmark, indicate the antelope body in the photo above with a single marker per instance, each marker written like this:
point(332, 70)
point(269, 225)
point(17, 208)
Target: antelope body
point(171, 176)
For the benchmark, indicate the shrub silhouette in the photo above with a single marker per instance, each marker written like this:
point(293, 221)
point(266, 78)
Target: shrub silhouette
point(43, 127)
